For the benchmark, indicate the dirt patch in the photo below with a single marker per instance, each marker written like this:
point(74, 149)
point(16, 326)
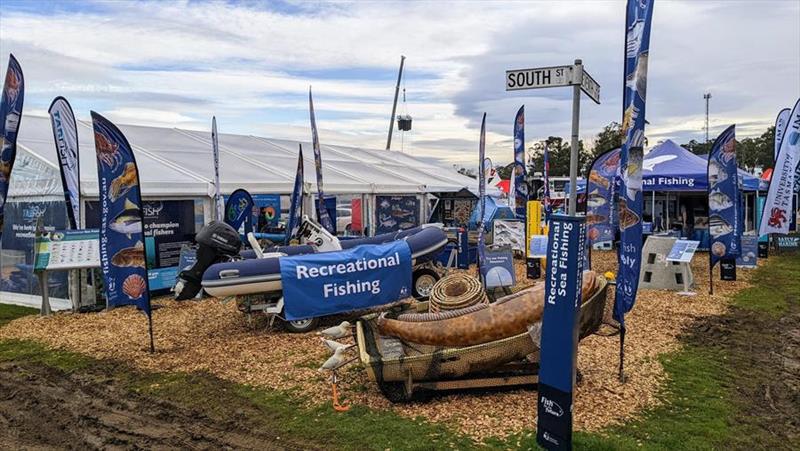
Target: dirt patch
point(212, 336)
point(43, 407)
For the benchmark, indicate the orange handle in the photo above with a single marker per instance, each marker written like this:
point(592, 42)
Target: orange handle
point(336, 406)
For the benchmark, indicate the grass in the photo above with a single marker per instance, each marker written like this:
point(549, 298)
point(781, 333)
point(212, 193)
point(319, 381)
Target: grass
point(9, 313)
point(699, 410)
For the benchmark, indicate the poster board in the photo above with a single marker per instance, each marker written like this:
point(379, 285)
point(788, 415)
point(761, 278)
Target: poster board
point(749, 255)
point(682, 251)
point(498, 268)
point(509, 233)
point(67, 249)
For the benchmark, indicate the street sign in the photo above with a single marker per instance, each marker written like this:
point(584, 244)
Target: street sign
point(590, 87)
point(540, 77)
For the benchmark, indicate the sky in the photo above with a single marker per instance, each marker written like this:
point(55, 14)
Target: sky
point(177, 63)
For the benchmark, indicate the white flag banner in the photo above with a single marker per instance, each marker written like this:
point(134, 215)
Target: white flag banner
point(778, 208)
point(780, 129)
point(218, 202)
point(65, 134)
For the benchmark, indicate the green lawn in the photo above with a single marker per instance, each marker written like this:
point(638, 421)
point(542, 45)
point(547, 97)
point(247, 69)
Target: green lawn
point(701, 407)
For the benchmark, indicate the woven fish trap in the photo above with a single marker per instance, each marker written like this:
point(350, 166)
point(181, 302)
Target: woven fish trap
point(456, 291)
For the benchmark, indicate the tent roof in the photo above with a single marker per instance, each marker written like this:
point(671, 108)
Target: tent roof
point(178, 162)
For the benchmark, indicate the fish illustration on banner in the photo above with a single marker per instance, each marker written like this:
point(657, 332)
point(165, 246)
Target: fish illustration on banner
point(519, 194)
point(481, 192)
point(11, 102)
point(65, 135)
point(219, 204)
point(239, 210)
point(322, 212)
point(122, 248)
point(778, 208)
point(600, 197)
point(780, 128)
point(296, 204)
point(546, 203)
point(724, 224)
point(638, 18)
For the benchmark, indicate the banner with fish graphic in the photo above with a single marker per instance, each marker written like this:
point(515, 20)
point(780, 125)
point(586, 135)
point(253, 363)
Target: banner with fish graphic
point(600, 196)
point(780, 129)
point(519, 195)
point(638, 18)
point(239, 210)
point(547, 204)
point(778, 208)
point(482, 192)
point(122, 243)
point(296, 204)
point(322, 212)
point(10, 114)
point(724, 205)
point(219, 204)
point(65, 135)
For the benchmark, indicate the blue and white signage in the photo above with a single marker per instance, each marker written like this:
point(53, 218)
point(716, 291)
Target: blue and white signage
point(682, 251)
point(498, 268)
point(559, 342)
point(749, 255)
point(338, 282)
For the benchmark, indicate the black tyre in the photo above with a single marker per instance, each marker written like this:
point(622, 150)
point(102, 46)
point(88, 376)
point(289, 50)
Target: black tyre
point(302, 326)
point(422, 281)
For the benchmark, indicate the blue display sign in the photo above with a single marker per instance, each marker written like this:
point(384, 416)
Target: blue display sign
point(748, 258)
point(600, 196)
point(724, 202)
point(498, 268)
point(396, 213)
point(338, 282)
point(559, 341)
point(268, 207)
point(239, 210)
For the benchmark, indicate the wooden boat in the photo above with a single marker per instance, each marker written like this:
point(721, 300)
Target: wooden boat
point(400, 368)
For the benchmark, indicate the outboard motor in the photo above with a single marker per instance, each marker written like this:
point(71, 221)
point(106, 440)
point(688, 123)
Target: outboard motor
point(217, 242)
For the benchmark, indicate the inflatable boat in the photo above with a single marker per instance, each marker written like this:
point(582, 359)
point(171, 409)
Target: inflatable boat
point(223, 270)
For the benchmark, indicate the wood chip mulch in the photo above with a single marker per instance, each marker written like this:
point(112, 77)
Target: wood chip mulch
point(211, 335)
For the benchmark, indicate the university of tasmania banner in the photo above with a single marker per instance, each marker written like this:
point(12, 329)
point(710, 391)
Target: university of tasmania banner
point(122, 243)
point(10, 116)
point(780, 128)
point(519, 196)
point(296, 205)
point(65, 135)
point(600, 195)
point(322, 212)
point(724, 198)
point(639, 15)
point(778, 208)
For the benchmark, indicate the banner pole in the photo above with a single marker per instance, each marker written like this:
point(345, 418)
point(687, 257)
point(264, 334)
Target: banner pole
point(622, 353)
point(710, 275)
point(150, 330)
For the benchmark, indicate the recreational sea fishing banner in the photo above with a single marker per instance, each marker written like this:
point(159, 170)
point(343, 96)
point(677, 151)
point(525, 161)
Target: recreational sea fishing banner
point(559, 334)
point(10, 115)
point(338, 282)
point(322, 212)
point(296, 203)
point(724, 223)
point(520, 193)
point(777, 211)
point(780, 128)
point(122, 243)
point(239, 210)
point(65, 135)
point(481, 191)
point(546, 202)
point(600, 195)
point(638, 18)
point(219, 205)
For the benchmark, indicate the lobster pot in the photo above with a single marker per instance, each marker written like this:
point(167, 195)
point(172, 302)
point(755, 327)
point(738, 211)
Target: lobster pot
point(404, 123)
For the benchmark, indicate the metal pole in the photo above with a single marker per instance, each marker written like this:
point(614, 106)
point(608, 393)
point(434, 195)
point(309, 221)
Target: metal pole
point(707, 96)
point(394, 105)
point(573, 158)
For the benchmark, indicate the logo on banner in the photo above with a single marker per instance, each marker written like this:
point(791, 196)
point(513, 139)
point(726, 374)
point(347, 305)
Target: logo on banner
point(551, 407)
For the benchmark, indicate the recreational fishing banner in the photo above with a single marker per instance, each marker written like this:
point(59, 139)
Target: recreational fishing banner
point(296, 203)
point(122, 243)
point(546, 202)
point(638, 18)
point(65, 135)
point(338, 282)
point(778, 208)
point(10, 115)
point(559, 335)
point(219, 205)
point(600, 196)
point(239, 210)
point(520, 193)
point(481, 191)
point(724, 223)
point(322, 212)
point(780, 128)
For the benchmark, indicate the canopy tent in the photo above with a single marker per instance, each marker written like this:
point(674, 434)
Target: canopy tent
point(493, 211)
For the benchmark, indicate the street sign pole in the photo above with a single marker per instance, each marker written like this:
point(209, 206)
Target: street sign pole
point(573, 159)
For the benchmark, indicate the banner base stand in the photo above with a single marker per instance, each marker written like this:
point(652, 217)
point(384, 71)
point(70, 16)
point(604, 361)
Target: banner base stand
point(687, 293)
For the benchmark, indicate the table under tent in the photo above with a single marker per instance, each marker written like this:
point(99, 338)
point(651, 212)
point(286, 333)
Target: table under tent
point(176, 167)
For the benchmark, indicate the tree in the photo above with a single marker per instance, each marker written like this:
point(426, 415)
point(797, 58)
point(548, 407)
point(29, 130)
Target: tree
point(608, 138)
point(698, 148)
point(559, 150)
point(750, 152)
point(504, 172)
point(471, 173)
